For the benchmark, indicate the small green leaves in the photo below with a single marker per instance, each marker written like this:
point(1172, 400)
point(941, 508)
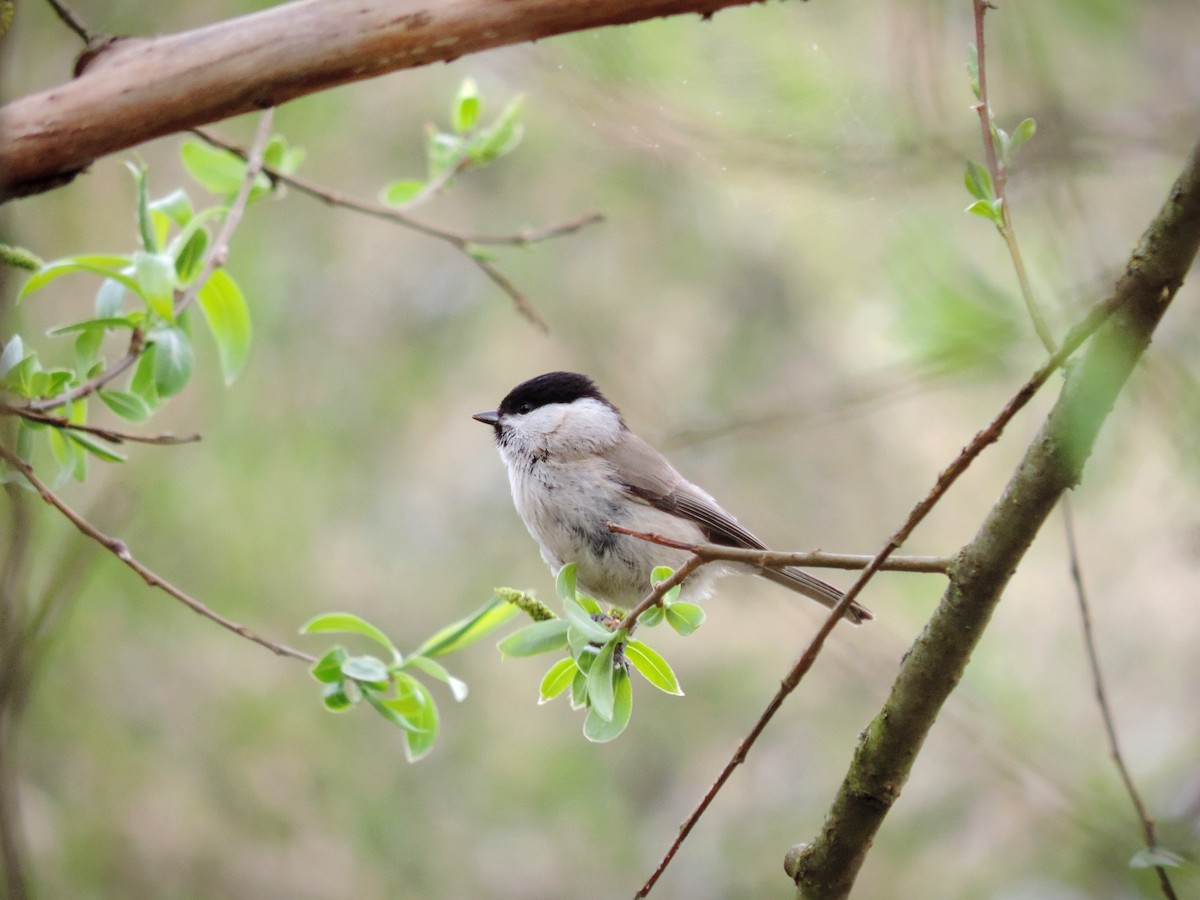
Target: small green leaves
point(1150, 857)
point(348, 623)
point(155, 274)
point(973, 69)
point(558, 679)
point(598, 729)
point(502, 137)
point(125, 404)
point(217, 171)
point(228, 319)
point(564, 583)
point(467, 107)
point(403, 192)
point(653, 667)
point(979, 183)
point(685, 617)
point(173, 359)
point(540, 637)
point(468, 630)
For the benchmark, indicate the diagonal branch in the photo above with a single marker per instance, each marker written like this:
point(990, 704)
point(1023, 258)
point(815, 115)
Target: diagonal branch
point(138, 88)
point(1053, 463)
point(121, 551)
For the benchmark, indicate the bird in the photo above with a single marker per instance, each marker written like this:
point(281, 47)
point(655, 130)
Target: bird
point(574, 466)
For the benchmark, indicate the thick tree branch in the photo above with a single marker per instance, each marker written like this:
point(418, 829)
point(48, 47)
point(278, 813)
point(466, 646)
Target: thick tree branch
point(138, 88)
point(1052, 464)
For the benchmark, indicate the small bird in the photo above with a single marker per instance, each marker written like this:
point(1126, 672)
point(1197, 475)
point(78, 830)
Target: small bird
point(574, 467)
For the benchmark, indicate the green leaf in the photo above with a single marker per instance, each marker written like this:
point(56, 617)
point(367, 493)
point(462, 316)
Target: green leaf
point(467, 107)
point(126, 405)
point(101, 324)
point(394, 711)
point(155, 275)
point(328, 669)
point(173, 360)
point(558, 679)
point(442, 151)
point(142, 382)
point(176, 206)
point(401, 193)
point(419, 742)
point(435, 669)
point(190, 258)
point(1020, 137)
point(468, 630)
point(110, 298)
point(989, 209)
point(540, 637)
point(601, 677)
point(217, 171)
point(1149, 857)
point(653, 667)
point(13, 353)
point(652, 616)
point(99, 264)
point(87, 346)
point(228, 319)
point(370, 670)
point(600, 730)
point(348, 623)
point(978, 181)
point(145, 226)
point(564, 583)
point(685, 617)
point(973, 69)
point(502, 136)
point(579, 689)
point(588, 627)
point(95, 447)
point(340, 696)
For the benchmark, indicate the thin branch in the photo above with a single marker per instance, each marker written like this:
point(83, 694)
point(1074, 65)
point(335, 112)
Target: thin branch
point(999, 171)
point(771, 559)
point(214, 259)
point(464, 243)
point(218, 253)
point(1052, 464)
point(71, 20)
point(988, 435)
point(654, 598)
point(119, 549)
point(107, 434)
point(1110, 727)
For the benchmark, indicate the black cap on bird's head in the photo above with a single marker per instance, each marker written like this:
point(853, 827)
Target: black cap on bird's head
point(552, 387)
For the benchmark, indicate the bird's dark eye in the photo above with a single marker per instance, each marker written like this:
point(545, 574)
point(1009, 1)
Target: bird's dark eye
point(525, 407)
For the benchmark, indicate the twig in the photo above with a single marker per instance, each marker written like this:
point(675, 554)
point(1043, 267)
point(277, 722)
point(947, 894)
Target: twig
point(988, 435)
point(121, 551)
point(215, 258)
point(1110, 728)
point(654, 598)
point(934, 565)
point(219, 251)
point(999, 173)
point(71, 20)
point(108, 434)
point(464, 243)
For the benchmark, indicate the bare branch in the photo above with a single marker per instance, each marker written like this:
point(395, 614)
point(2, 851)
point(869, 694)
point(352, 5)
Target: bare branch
point(138, 88)
point(770, 559)
point(1053, 463)
point(988, 435)
point(119, 549)
point(1110, 727)
point(107, 434)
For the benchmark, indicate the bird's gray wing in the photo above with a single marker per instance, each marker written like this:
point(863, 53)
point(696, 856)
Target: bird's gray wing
point(648, 476)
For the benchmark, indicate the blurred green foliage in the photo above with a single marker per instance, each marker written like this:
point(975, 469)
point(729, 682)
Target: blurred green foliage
point(786, 272)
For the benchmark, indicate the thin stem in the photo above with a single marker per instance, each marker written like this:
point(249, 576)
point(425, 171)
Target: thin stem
point(111, 435)
point(987, 435)
point(999, 173)
point(1110, 727)
point(771, 559)
point(71, 20)
point(119, 549)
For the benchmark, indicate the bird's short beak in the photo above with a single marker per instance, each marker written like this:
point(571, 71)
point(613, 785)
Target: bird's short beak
point(491, 417)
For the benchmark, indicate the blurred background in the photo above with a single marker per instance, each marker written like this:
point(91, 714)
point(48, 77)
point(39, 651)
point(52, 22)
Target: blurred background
point(788, 298)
